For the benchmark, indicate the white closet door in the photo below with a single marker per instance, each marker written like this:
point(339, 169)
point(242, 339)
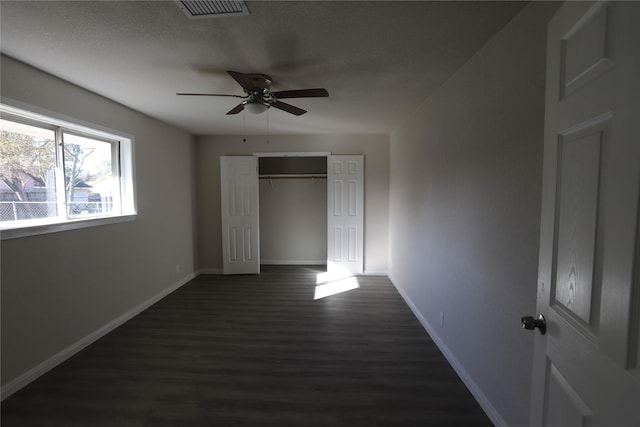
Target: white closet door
point(240, 233)
point(345, 216)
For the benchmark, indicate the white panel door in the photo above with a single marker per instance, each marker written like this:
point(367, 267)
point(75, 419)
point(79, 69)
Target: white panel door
point(240, 236)
point(345, 216)
point(587, 365)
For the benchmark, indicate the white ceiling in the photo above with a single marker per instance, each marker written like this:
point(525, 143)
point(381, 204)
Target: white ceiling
point(378, 60)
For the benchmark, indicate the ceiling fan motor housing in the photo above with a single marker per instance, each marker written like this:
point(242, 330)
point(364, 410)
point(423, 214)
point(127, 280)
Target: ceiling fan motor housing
point(261, 83)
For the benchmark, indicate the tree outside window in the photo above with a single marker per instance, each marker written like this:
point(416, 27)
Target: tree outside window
point(29, 170)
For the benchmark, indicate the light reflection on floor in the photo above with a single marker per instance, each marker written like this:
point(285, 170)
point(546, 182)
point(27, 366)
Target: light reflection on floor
point(333, 282)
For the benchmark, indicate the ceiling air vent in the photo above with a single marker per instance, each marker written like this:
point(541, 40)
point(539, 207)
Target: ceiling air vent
point(212, 8)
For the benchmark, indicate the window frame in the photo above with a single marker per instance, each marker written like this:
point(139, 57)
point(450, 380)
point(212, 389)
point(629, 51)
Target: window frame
point(124, 145)
point(115, 163)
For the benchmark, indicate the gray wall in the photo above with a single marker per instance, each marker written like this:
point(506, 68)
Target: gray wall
point(465, 188)
point(375, 149)
point(58, 288)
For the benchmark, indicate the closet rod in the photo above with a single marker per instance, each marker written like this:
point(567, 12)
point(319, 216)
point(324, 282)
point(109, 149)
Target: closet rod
point(293, 176)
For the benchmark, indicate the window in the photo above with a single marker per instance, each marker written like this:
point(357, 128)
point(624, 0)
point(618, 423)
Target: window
point(56, 172)
point(90, 175)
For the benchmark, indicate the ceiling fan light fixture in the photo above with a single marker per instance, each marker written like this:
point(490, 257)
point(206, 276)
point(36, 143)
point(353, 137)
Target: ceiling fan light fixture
point(256, 107)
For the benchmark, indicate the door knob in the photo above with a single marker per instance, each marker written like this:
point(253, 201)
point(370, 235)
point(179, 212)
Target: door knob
point(528, 322)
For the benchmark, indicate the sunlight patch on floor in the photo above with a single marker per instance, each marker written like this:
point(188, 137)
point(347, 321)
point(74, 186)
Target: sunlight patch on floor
point(337, 287)
point(334, 281)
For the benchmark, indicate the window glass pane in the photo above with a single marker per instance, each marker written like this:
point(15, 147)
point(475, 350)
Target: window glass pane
point(27, 172)
point(54, 172)
point(89, 172)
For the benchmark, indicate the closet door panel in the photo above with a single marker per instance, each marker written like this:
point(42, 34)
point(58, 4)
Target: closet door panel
point(345, 214)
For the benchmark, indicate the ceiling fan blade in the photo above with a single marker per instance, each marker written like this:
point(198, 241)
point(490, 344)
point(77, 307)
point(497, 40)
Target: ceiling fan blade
point(288, 108)
point(208, 94)
point(236, 109)
point(301, 93)
point(243, 80)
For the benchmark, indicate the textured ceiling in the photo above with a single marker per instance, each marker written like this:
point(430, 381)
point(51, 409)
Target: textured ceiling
point(378, 60)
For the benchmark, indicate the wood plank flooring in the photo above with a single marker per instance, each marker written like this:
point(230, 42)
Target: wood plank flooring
point(256, 351)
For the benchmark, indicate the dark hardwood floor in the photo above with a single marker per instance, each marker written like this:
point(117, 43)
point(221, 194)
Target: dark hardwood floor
point(256, 351)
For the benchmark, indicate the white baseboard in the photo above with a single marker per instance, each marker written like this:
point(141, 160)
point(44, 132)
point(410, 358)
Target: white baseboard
point(314, 262)
point(475, 390)
point(292, 262)
point(276, 262)
point(210, 271)
point(45, 366)
point(374, 273)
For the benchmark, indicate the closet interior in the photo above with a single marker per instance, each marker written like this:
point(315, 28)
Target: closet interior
point(293, 210)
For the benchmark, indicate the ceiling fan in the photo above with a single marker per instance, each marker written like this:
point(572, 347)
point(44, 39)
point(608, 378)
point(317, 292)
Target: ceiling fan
point(258, 96)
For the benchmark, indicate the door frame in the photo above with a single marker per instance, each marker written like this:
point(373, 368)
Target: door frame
point(285, 154)
point(294, 154)
point(325, 154)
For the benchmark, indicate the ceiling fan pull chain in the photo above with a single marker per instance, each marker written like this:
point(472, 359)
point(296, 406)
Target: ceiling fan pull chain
point(244, 127)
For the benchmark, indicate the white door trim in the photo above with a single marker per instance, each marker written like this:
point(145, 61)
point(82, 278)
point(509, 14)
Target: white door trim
point(295, 154)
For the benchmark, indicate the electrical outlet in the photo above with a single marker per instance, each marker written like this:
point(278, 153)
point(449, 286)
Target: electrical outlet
point(442, 320)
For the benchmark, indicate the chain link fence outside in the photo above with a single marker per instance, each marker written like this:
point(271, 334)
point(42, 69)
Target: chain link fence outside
point(16, 211)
